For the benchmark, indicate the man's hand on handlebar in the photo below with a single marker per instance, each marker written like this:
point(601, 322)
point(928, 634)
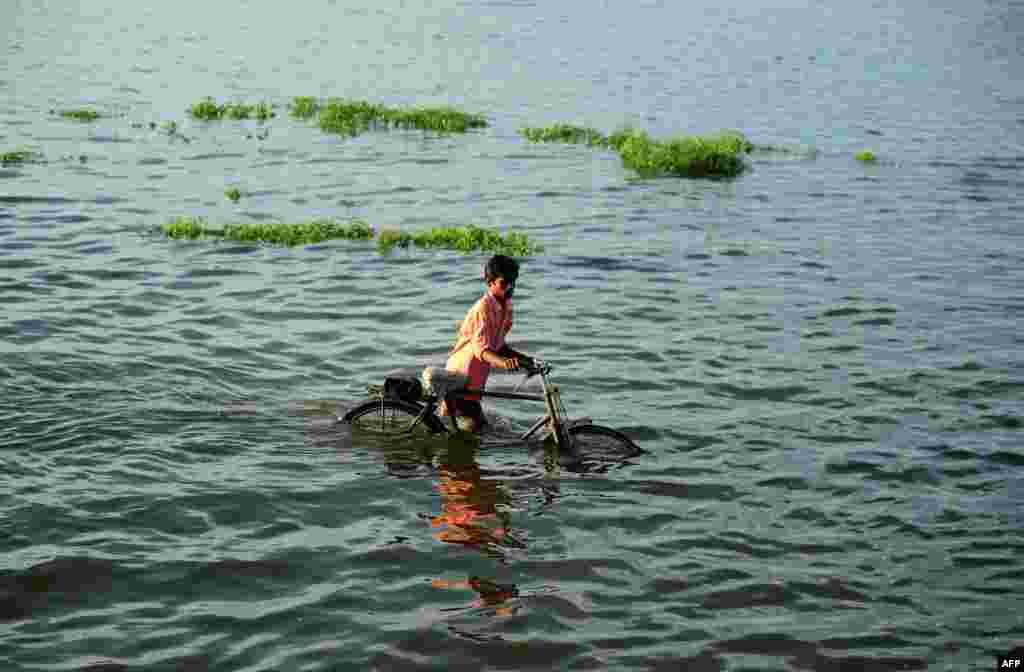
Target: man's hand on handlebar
point(513, 363)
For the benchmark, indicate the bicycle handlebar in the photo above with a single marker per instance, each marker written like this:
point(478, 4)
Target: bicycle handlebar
point(537, 366)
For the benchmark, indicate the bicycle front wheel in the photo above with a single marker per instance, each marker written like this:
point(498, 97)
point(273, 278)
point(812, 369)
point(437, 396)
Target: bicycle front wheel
point(392, 417)
point(601, 443)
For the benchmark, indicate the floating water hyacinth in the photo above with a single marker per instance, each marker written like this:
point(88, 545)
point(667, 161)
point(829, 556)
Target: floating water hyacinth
point(308, 233)
point(233, 194)
point(80, 115)
point(304, 107)
point(209, 110)
point(565, 133)
point(352, 117)
point(18, 156)
point(464, 239)
point(711, 156)
point(690, 156)
point(442, 119)
point(867, 156)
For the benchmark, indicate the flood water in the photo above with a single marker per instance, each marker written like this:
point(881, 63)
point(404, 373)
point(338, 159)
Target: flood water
point(821, 357)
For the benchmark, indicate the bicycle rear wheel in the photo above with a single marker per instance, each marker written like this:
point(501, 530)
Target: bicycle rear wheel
point(392, 417)
point(596, 442)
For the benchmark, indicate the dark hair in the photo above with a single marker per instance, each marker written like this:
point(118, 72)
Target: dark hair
point(500, 266)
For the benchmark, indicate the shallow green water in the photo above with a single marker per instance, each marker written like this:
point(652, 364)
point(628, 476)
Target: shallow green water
point(821, 357)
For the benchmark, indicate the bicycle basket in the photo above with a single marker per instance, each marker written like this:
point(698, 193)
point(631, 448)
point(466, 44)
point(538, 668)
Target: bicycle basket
point(404, 388)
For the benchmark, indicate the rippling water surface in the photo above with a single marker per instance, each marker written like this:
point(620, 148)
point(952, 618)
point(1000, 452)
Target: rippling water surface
point(822, 358)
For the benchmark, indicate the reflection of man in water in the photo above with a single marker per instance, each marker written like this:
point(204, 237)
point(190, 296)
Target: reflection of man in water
point(471, 516)
point(469, 503)
point(491, 594)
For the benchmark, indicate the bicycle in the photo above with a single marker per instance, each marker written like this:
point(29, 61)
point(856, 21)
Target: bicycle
point(404, 407)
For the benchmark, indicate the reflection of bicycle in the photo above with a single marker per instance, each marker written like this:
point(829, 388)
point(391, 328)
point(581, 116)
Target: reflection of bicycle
point(403, 407)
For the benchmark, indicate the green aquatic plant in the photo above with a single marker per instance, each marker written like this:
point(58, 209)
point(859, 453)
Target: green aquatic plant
point(307, 233)
point(693, 156)
point(264, 112)
point(18, 156)
point(464, 239)
point(80, 115)
point(208, 110)
point(565, 133)
point(619, 138)
point(316, 231)
point(304, 107)
point(441, 119)
point(689, 156)
point(867, 156)
point(352, 117)
point(192, 228)
point(233, 194)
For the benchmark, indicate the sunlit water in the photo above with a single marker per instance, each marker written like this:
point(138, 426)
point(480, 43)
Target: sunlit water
point(821, 358)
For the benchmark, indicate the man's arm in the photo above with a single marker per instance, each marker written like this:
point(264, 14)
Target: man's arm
point(520, 358)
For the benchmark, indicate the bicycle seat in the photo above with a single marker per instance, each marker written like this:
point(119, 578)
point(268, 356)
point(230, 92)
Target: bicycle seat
point(439, 382)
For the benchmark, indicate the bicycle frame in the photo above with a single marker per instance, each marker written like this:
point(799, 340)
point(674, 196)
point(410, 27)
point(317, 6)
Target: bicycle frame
point(552, 399)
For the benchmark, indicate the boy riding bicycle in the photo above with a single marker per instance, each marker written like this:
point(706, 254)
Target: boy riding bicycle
point(480, 342)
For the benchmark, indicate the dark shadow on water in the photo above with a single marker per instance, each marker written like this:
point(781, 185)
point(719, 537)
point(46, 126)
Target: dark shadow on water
point(67, 581)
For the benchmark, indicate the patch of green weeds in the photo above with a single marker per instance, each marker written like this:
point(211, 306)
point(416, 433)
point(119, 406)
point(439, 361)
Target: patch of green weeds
point(283, 234)
point(18, 156)
point(209, 110)
point(565, 133)
point(353, 117)
point(233, 194)
point(304, 107)
point(80, 115)
point(299, 234)
point(263, 112)
point(192, 228)
point(350, 117)
point(441, 119)
point(694, 156)
point(464, 239)
point(867, 156)
point(689, 156)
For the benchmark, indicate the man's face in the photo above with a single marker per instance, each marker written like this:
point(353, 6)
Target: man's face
point(501, 288)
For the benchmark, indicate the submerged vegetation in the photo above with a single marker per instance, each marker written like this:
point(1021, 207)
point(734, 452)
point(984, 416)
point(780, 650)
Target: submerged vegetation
point(867, 156)
point(80, 115)
point(307, 233)
point(689, 156)
point(463, 239)
point(209, 110)
point(18, 156)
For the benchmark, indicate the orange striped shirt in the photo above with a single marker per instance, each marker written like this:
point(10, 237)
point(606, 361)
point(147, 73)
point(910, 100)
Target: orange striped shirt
point(483, 328)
